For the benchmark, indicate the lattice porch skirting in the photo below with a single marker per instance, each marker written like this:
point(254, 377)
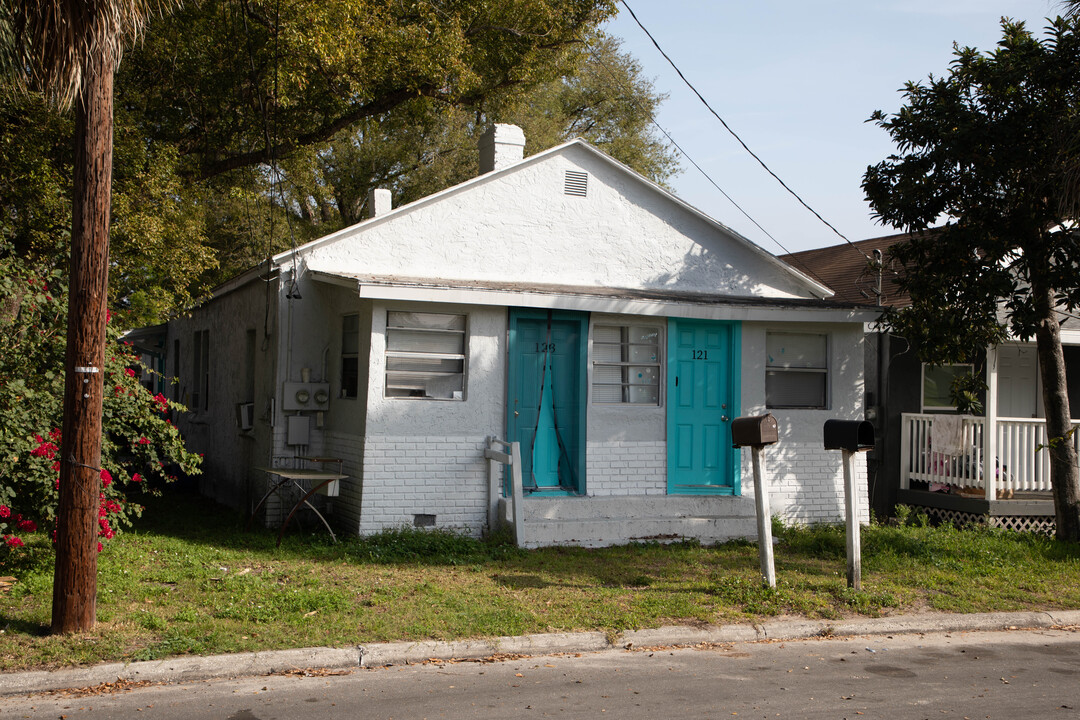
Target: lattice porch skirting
point(1021, 523)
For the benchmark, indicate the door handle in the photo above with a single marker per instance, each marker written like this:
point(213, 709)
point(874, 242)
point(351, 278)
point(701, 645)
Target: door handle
point(723, 418)
point(516, 413)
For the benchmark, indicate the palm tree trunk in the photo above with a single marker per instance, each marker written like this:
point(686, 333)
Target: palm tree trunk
point(75, 577)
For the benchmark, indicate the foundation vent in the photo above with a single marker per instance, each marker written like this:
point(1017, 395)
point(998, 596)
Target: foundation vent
point(576, 183)
point(423, 520)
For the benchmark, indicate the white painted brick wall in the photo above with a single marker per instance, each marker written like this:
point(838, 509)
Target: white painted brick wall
point(806, 482)
point(347, 506)
point(626, 468)
point(441, 476)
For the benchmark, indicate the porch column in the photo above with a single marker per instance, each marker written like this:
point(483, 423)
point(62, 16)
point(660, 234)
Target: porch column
point(990, 416)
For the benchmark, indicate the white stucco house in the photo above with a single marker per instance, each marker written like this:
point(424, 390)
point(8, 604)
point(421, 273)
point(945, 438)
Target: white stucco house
point(561, 301)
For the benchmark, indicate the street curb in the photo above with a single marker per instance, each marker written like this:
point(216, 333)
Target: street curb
point(186, 669)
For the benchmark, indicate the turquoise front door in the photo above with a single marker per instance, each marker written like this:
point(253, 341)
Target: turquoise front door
point(546, 394)
point(703, 397)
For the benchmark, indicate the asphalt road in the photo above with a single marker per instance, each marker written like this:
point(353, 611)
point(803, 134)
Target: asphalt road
point(1010, 674)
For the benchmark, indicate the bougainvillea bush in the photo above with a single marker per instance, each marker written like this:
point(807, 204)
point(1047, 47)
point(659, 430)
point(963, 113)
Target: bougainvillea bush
point(140, 446)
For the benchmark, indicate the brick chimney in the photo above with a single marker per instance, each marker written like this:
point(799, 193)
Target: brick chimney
point(501, 146)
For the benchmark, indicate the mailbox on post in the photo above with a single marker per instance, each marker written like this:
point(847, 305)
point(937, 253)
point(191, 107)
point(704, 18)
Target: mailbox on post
point(754, 431)
point(850, 435)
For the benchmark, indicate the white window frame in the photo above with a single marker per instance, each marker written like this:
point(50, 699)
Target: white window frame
point(392, 389)
point(922, 386)
point(625, 364)
point(772, 366)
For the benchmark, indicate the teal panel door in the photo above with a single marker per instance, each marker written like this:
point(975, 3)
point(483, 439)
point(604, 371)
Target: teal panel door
point(546, 393)
point(703, 398)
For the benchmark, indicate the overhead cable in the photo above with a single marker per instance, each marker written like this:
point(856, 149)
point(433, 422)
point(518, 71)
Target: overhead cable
point(736, 136)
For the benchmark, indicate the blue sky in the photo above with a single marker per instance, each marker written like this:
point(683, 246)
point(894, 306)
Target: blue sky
point(797, 80)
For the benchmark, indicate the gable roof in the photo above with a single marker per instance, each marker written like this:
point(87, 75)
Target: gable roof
point(801, 285)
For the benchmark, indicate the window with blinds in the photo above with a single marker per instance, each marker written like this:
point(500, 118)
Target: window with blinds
point(626, 364)
point(796, 370)
point(425, 355)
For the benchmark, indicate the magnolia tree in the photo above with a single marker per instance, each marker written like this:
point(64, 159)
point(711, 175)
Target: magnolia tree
point(992, 150)
point(140, 446)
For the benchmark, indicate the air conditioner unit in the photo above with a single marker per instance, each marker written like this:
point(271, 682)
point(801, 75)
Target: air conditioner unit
point(245, 416)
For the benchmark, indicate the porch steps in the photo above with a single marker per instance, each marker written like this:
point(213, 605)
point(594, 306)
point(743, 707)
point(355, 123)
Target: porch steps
point(604, 521)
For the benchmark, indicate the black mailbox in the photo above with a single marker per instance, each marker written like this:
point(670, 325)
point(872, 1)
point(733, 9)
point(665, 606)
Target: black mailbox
point(754, 430)
point(851, 435)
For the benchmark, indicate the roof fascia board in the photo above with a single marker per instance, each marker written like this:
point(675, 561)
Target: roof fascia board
point(620, 306)
point(238, 281)
point(332, 279)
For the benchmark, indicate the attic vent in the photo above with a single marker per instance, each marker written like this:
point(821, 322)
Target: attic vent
point(576, 183)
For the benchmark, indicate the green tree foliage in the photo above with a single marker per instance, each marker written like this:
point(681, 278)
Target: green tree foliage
point(992, 150)
point(140, 447)
point(422, 146)
point(158, 244)
point(234, 84)
point(339, 96)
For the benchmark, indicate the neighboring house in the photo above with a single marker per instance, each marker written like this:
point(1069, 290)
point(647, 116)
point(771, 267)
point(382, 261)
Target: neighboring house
point(904, 396)
point(561, 301)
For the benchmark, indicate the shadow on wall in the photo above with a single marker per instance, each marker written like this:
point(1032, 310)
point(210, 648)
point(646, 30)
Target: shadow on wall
point(705, 269)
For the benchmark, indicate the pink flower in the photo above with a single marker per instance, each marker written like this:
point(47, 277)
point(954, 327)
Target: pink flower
point(13, 542)
point(100, 547)
point(27, 525)
point(136, 478)
point(106, 477)
point(144, 440)
point(5, 511)
point(129, 372)
point(108, 315)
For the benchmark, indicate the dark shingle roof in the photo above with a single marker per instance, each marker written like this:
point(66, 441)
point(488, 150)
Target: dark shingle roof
point(848, 272)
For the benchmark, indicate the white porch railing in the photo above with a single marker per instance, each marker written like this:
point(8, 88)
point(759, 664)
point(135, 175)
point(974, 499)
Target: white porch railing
point(1021, 461)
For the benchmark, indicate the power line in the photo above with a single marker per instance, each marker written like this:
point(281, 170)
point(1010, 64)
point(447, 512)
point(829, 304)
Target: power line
point(735, 135)
point(630, 98)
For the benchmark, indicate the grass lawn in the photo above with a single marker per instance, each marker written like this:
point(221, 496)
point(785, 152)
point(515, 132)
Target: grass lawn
point(188, 580)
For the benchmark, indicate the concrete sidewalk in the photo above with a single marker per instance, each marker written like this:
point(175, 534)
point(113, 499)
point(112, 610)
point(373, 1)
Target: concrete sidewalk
point(184, 669)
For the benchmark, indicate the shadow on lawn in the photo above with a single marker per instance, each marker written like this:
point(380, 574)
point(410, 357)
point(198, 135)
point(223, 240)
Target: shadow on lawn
point(18, 626)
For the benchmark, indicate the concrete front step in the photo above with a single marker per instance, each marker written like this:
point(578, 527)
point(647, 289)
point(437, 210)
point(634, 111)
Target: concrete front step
point(599, 522)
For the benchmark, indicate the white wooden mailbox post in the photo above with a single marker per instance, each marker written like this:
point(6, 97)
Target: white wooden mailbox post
point(756, 432)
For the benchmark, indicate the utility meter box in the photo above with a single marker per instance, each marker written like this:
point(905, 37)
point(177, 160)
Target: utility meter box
point(305, 396)
point(754, 430)
point(850, 435)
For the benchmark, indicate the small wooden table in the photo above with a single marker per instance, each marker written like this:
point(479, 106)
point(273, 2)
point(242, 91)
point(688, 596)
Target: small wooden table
point(319, 481)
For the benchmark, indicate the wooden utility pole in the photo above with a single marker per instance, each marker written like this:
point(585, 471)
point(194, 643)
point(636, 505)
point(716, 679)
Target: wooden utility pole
point(75, 577)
